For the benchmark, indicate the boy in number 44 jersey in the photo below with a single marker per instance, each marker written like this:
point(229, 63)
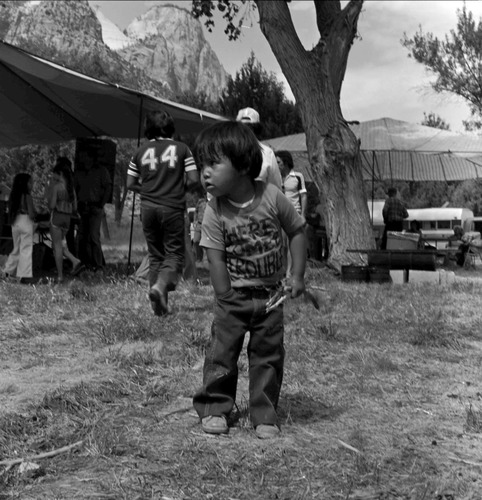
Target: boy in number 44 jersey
point(161, 171)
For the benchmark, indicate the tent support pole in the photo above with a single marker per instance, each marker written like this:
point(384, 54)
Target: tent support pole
point(373, 183)
point(133, 193)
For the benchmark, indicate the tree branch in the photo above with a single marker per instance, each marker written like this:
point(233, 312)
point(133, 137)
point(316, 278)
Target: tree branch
point(326, 13)
point(277, 27)
point(344, 31)
point(47, 454)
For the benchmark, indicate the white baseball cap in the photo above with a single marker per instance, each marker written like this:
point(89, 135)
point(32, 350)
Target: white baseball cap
point(248, 115)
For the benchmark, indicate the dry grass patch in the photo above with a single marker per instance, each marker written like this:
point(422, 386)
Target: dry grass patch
point(380, 398)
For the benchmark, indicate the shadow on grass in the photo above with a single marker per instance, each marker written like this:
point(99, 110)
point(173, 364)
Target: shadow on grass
point(296, 408)
point(302, 408)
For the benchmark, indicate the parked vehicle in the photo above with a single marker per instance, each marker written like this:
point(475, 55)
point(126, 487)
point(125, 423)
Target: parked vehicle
point(436, 224)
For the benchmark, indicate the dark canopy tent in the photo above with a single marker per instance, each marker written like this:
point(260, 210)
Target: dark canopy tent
point(44, 103)
point(401, 151)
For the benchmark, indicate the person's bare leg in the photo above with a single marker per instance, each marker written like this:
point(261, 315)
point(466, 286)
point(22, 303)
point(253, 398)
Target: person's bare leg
point(71, 257)
point(56, 235)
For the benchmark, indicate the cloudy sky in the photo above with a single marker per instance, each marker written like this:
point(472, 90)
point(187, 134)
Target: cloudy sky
point(381, 80)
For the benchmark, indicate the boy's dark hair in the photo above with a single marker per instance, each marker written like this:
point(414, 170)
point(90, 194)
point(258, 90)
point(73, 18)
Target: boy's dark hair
point(159, 124)
point(392, 192)
point(232, 140)
point(286, 158)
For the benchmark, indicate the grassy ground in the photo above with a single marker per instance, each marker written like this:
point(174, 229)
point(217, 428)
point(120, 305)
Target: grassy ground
point(381, 397)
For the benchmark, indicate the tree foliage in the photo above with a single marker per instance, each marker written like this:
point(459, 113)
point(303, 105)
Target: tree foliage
point(199, 100)
point(419, 194)
point(254, 87)
point(233, 13)
point(35, 160)
point(456, 61)
point(469, 194)
point(435, 121)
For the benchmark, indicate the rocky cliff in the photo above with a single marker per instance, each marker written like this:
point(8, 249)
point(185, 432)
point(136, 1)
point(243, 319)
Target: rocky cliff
point(69, 33)
point(169, 45)
point(63, 26)
point(163, 52)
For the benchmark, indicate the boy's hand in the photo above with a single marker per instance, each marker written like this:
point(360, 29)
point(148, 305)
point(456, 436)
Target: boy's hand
point(295, 287)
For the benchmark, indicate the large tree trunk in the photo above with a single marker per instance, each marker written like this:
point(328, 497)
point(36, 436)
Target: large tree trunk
point(315, 78)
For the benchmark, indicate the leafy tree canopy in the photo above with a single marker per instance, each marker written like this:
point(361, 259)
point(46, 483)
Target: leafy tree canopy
point(455, 61)
point(254, 87)
point(231, 13)
point(469, 194)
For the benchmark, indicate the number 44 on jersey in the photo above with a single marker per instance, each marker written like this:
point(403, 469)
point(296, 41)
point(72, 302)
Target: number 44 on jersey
point(168, 157)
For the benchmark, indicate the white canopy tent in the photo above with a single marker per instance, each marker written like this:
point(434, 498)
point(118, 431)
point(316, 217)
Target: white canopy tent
point(401, 151)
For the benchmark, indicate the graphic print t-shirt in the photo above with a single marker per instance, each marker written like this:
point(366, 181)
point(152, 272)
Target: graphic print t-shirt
point(251, 236)
point(160, 165)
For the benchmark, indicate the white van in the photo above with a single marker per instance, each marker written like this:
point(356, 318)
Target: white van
point(436, 224)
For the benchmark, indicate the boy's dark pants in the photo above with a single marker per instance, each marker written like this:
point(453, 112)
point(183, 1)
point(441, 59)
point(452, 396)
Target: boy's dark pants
point(237, 312)
point(164, 232)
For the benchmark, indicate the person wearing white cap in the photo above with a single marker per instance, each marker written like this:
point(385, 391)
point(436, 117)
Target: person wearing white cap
point(270, 172)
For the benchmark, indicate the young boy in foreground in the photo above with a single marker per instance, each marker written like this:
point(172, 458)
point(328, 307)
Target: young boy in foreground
point(242, 234)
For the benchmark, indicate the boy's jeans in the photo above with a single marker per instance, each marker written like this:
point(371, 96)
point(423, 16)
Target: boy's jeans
point(237, 312)
point(164, 232)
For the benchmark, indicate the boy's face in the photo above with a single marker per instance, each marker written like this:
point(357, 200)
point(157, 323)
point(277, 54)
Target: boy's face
point(220, 178)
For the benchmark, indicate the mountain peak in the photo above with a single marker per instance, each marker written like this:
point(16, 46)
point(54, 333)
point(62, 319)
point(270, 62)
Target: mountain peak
point(112, 35)
point(170, 45)
point(163, 52)
point(155, 20)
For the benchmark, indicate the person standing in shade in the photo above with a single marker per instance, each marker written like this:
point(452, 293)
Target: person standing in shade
point(70, 237)
point(21, 215)
point(394, 212)
point(161, 170)
point(269, 173)
point(293, 186)
point(293, 183)
point(93, 187)
point(62, 204)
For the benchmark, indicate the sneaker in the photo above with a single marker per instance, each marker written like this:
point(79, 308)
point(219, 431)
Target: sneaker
point(267, 431)
point(158, 300)
point(215, 424)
